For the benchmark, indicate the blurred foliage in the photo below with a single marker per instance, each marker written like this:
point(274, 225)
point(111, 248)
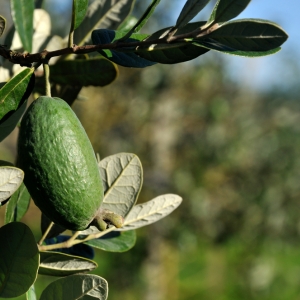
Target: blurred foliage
point(233, 154)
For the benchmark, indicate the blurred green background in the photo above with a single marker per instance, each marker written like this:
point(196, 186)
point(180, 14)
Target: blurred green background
point(231, 151)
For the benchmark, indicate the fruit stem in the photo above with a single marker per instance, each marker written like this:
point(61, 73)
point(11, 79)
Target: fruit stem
point(47, 79)
point(68, 244)
point(46, 233)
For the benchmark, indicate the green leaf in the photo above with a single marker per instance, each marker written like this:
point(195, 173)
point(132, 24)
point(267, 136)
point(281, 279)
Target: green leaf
point(143, 20)
point(17, 205)
point(79, 10)
point(226, 10)
point(30, 294)
point(102, 14)
point(19, 260)
point(22, 14)
point(226, 50)
point(2, 25)
point(73, 287)
point(80, 72)
point(11, 120)
point(10, 180)
point(115, 241)
point(128, 59)
point(171, 53)
point(13, 101)
point(128, 23)
point(248, 35)
point(189, 11)
point(59, 264)
point(122, 176)
point(151, 211)
point(15, 91)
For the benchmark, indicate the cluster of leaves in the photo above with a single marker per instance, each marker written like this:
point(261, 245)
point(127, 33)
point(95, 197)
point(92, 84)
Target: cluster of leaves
point(122, 180)
point(116, 42)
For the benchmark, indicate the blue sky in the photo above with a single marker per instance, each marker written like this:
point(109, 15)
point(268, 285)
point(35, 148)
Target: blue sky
point(276, 70)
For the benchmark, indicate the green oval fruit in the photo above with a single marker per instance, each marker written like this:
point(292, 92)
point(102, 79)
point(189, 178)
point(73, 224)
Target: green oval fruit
point(61, 171)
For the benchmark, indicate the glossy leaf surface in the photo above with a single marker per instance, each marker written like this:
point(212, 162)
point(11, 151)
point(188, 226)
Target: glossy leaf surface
point(19, 259)
point(22, 14)
point(115, 241)
point(59, 264)
point(80, 72)
point(73, 287)
point(151, 211)
point(17, 205)
point(14, 95)
point(122, 176)
point(249, 35)
point(15, 91)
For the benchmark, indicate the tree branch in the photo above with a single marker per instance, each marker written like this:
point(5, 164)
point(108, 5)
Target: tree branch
point(26, 59)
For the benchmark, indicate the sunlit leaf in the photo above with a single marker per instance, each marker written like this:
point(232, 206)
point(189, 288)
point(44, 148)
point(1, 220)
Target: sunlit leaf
point(102, 14)
point(151, 211)
point(125, 59)
point(22, 14)
point(248, 35)
point(59, 264)
point(13, 99)
point(73, 287)
point(17, 205)
point(2, 25)
point(15, 91)
point(19, 259)
point(10, 180)
point(80, 72)
point(122, 176)
point(226, 10)
point(189, 11)
point(79, 10)
point(114, 241)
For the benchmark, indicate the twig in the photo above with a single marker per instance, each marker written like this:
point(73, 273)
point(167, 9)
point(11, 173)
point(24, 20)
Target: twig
point(73, 241)
point(46, 233)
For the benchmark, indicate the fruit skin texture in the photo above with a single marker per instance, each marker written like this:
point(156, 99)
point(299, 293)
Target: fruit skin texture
point(61, 171)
